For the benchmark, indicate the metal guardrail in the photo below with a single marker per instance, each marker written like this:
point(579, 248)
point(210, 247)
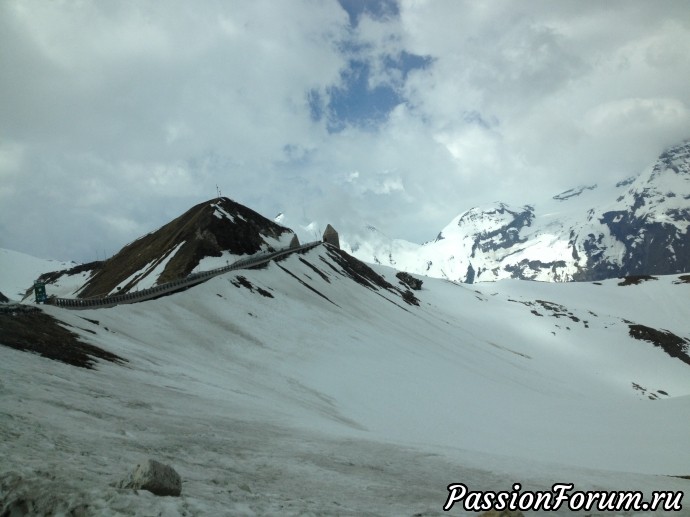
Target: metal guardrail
point(175, 285)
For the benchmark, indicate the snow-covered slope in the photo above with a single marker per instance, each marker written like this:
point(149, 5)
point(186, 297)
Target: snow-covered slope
point(312, 387)
point(19, 270)
point(592, 232)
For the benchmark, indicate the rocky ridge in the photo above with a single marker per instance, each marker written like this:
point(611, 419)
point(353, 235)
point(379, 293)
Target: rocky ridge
point(216, 228)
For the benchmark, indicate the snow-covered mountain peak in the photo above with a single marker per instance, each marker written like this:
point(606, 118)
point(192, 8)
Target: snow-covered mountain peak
point(661, 193)
point(676, 158)
point(208, 235)
point(488, 220)
point(590, 232)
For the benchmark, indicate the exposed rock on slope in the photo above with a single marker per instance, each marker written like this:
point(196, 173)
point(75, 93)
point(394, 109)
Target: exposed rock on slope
point(209, 229)
point(31, 330)
point(649, 223)
point(673, 345)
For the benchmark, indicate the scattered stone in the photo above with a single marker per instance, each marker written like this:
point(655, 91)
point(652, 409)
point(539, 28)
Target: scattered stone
point(157, 478)
point(413, 283)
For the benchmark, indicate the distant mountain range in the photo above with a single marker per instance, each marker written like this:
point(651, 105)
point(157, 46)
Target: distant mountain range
point(591, 232)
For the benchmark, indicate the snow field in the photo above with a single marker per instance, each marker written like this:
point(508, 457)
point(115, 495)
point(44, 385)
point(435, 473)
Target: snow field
point(297, 405)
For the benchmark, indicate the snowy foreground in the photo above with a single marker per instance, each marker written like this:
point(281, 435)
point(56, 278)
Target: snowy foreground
point(348, 401)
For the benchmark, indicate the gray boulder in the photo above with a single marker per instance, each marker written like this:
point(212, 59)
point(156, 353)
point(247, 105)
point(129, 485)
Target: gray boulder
point(157, 478)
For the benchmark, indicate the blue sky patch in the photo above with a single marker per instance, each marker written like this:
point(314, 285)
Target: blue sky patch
point(354, 102)
point(377, 9)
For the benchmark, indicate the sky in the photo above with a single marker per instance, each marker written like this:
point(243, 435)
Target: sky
point(116, 117)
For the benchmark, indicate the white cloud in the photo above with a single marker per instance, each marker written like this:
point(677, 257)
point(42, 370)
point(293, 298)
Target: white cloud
point(11, 158)
point(11, 162)
point(637, 115)
point(547, 81)
point(138, 110)
point(176, 131)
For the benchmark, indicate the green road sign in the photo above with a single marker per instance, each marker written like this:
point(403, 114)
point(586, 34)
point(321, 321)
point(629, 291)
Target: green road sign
point(40, 292)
